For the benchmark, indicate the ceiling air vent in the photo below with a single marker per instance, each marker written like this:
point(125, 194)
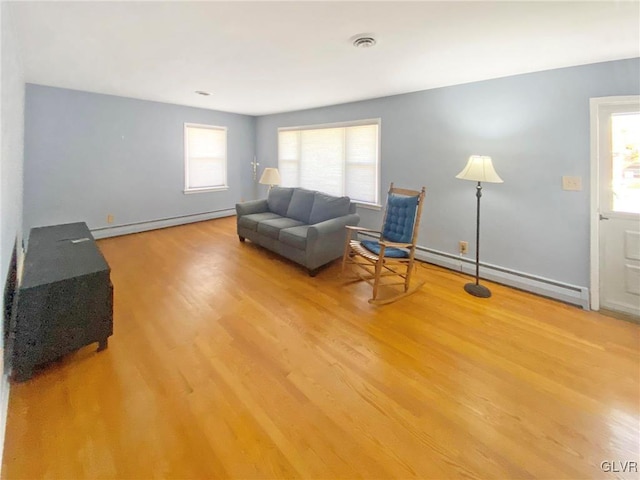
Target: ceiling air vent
point(364, 42)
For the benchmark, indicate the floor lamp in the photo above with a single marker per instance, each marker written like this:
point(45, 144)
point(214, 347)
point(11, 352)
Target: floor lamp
point(479, 169)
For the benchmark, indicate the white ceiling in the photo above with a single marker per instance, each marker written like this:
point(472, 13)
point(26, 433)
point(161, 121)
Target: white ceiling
point(265, 57)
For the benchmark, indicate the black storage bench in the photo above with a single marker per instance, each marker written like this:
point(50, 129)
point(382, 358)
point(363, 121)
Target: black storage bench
point(65, 300)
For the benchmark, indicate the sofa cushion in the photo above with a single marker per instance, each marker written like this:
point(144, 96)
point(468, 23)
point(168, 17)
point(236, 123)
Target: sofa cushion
point(278, 200)
point(271, 228)
point(301, 203)
point(326, 207)
point(251, 221)
point(295, 236)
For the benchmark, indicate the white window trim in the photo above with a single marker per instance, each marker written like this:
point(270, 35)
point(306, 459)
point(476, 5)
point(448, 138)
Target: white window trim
point(353, 123)
point(205, 189)
point(188, 190)
point(369, 206)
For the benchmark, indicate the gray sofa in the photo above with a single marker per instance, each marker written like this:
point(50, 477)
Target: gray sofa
point(305, 226)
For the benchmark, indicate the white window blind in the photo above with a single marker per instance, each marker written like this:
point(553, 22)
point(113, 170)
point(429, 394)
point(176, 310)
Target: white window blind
point(336, 159)
point(205, 157)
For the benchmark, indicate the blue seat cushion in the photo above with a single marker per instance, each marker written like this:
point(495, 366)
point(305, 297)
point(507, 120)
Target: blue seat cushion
point(401, 217)
point(390, 252)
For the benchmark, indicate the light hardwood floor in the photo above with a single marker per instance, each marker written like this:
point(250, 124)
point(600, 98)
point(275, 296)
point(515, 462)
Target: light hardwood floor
point(229, 362)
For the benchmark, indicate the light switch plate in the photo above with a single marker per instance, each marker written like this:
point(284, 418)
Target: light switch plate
point(572, 183)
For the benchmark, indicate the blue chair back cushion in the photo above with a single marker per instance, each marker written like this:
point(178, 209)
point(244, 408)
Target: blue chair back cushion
point(389, 252)
point(401, 217)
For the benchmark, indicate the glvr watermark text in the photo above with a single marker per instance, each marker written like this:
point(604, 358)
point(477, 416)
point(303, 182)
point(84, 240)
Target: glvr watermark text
point(619, 466)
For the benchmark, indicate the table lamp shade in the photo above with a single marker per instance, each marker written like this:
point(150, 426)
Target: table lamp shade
point(270, 176)
point(479, 169)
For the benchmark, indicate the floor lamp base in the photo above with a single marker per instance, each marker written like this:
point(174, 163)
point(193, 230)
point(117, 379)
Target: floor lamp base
point(477, 290)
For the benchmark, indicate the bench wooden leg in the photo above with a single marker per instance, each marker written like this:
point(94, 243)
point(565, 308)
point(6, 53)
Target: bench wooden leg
point(102, 344)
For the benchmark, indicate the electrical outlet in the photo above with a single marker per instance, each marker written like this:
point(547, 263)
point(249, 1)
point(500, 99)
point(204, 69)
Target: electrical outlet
point(463, 247)
point(572, 183)
point(110, 218)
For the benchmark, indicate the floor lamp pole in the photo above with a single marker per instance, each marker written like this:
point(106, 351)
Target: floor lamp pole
point(478, 169)
point(476, 289)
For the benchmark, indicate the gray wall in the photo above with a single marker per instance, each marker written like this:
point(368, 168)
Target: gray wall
point(11, 164)
point(89, 155)
point(11, 167)
point(536, 128)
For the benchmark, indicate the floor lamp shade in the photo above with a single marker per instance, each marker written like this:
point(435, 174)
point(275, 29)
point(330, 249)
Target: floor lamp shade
point(479, 169)
point(270, 177)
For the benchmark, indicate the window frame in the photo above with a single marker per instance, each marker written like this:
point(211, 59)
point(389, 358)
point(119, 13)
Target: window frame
point(225, 186)
point(354, 123)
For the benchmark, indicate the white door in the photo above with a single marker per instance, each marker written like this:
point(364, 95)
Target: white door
point(618, 166)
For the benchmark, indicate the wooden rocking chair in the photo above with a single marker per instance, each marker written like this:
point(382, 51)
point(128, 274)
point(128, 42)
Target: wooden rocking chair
point(392, 255)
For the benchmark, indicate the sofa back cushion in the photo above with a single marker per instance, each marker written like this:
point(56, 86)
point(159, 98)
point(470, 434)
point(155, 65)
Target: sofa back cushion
point(326, 207)
point(279, 199)
point(301, 204)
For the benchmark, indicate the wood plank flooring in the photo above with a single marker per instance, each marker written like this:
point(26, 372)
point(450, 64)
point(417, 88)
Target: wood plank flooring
point(229, 362)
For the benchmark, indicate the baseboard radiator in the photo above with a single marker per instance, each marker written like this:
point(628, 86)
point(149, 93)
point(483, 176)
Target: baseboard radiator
point(545, 287)
point(137, 227)
point(565, 292)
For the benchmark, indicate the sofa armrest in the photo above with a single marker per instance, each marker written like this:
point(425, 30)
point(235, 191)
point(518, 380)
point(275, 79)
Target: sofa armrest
point(332, 225)
point(252, 206)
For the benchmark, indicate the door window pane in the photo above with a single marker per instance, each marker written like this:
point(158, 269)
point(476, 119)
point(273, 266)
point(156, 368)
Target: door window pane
point(625, 173)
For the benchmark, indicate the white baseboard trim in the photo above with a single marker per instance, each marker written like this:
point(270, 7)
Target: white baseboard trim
point(545, 287)
point(138, 227)
point(620, 307)
point(565, 292)
point(4, 410)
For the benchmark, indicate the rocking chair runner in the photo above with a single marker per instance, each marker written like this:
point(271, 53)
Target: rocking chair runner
point(393, 254)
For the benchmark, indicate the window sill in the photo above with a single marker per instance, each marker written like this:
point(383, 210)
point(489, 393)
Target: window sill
point(369, 206)
point(204, 190)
